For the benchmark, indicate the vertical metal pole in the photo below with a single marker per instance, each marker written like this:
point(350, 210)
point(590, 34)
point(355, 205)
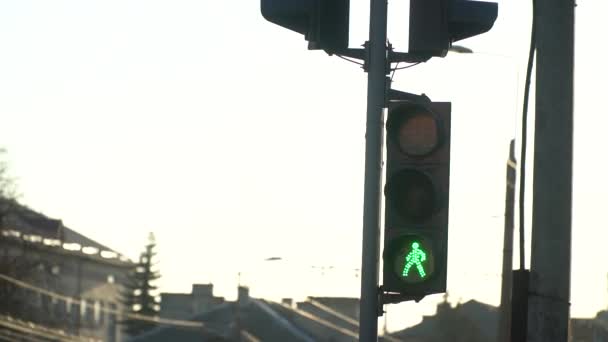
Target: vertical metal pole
point(507, 253)
point(376, 91)
point(519, 307)
point(549, 293)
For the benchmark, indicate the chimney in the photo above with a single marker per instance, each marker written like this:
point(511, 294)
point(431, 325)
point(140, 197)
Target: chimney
point(243, 295)
point(202, 290)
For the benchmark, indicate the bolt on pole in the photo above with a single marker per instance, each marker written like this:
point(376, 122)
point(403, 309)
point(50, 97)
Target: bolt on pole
point(376, 95)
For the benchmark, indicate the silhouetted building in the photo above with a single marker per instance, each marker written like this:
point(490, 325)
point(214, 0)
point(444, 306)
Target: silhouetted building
point(327, 318)
point(186, 305)
point(252, 319)
point(75, 281)
point(28, 222)
point(323, 319)
point(590, 330)
point(469, 322)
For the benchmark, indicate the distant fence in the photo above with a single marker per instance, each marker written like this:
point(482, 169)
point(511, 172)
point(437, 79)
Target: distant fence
point(64, 246)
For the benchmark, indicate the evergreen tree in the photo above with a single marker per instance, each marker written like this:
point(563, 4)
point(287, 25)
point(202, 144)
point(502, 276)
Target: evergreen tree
point(139, 291)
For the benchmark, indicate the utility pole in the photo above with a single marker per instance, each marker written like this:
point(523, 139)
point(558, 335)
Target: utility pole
point(507, 256)
point(549, 292)
point(376, 100)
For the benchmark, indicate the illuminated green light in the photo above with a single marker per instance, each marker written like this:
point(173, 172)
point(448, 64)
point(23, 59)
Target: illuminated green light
point(415, 257)
point(412, 258)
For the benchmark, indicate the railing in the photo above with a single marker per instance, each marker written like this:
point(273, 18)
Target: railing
point(72, 247)
point(19, 330)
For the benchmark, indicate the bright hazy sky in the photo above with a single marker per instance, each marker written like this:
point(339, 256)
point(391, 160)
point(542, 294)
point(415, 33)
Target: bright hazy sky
point(221, 133)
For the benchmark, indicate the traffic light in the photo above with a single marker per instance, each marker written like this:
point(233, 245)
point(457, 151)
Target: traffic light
point(436, 24)
point(324, 23)
point(417, 197)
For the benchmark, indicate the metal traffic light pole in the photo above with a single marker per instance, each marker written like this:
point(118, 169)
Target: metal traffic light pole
point(549, 292)
point(324, 25)
point(376, 62)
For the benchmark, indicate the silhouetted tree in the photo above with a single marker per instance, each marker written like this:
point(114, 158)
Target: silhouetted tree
point(18, 261)
point(7, 191)
point(12, 300)
point(139, 295)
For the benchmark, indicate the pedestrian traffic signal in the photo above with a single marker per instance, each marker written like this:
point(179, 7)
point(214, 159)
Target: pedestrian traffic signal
point(413, 259)
point(417, 197)
point(436, 24)
point(324, 23)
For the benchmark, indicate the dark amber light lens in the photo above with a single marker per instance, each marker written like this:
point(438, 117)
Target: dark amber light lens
point(412, 194)
point(418, 134)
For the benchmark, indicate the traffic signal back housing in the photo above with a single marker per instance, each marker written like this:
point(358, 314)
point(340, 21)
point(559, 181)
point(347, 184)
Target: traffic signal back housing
point(324, 23)
point(436, 24)
point(417, 198)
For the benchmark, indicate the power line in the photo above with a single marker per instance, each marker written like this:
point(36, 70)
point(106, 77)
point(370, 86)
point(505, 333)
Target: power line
point(333, 312)
point(394, 70)
point(11, 335)
point(322, 321)
point(40, 331)
point(174, 322)
point(158, 320)
point(524, 139)
point(406, 67)
point(350, 60)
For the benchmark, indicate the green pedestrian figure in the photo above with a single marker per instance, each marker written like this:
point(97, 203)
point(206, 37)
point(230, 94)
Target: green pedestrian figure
point(415, 257)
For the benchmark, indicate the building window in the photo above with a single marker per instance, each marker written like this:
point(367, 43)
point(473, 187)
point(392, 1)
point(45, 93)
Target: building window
point(97, 312)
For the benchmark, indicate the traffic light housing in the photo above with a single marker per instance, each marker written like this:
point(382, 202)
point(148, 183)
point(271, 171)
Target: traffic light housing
point(417, 197)
point(436, 24)
point(324, 23)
